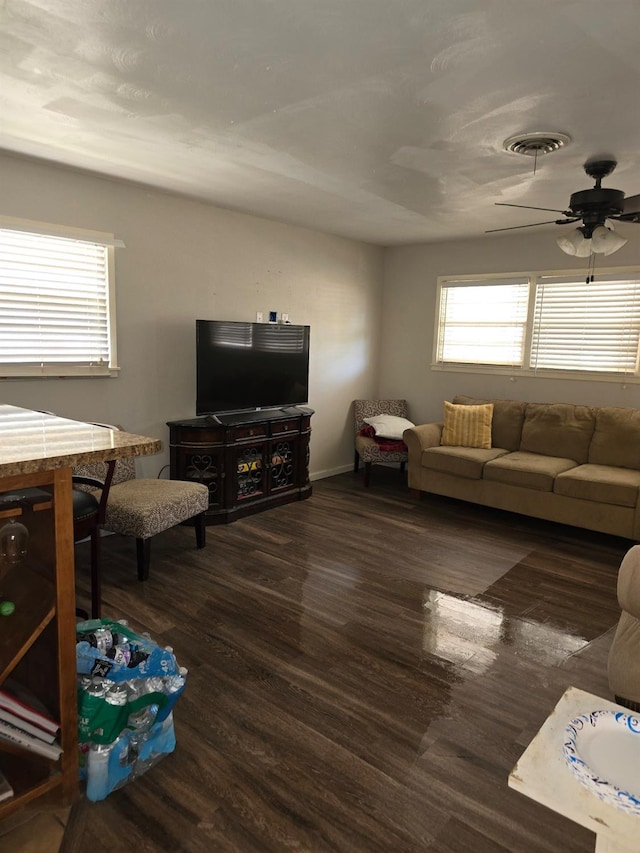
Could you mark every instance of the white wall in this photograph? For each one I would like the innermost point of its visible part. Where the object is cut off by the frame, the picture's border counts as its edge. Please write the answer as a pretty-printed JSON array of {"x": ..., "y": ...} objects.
[
  {"x": 408, "y": 321},
  {"x": 185, "y": 260}
]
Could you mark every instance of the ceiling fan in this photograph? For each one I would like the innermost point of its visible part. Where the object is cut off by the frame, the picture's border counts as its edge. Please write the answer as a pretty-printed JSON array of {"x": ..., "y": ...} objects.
[{"x": 594, "y": 207}]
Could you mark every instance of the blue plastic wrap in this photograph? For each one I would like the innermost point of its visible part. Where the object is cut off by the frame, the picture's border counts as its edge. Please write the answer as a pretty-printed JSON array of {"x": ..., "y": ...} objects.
[{"x": 127, "y": 689}]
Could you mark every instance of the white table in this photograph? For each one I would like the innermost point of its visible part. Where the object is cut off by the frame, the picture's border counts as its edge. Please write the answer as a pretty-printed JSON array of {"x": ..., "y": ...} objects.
[{"x": 542, "y": 774}]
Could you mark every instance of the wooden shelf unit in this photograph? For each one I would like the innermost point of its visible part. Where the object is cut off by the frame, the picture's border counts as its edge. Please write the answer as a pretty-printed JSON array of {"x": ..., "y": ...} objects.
[{"x": 37, "y": 641}]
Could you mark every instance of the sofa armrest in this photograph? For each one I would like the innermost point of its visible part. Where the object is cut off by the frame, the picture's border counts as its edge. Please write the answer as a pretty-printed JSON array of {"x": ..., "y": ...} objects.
[
  {"x": 635, "y": 534},
  {"x": 419, "y": 437}
]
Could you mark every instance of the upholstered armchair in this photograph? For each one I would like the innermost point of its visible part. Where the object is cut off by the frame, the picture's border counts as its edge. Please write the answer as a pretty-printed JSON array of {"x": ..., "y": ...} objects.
[
  {"x": 142, "y": 508},
  {"x": 368, "y": 449},
  {"x": 624, "y": 654}
]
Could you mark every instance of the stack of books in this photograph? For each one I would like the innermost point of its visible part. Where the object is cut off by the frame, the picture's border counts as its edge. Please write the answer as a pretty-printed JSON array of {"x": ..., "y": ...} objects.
[{"x": 23, "y": 721}]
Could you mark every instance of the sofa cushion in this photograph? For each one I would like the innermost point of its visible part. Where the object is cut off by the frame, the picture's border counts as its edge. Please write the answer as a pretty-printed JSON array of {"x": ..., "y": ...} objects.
[
  {"x": 506, "y": 424},
  {"x": 600, "y": 483},
  {"x": 467, "y": 426},
  {"x": 616, "y": 440},
  {"x": 465, "y": 462},
  {"x": 558, "y": 429},
  {"x": 528, "y": 470}
]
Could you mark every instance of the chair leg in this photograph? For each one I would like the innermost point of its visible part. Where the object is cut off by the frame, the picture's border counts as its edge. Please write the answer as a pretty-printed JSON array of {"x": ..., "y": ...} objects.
[
  {"x": 356, "y": 462},
  {"x": 143, "y": 552},
  {"x": 201, "y": 530},
  {"x": 96, "y": 580},
  {"x": 367, "y": 473}
]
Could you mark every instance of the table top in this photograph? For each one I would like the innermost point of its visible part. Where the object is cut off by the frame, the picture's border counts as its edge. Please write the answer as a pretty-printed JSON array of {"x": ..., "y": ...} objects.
[
  {"x": 35, "y": 441},
  {"x": 542, "y": 774}
]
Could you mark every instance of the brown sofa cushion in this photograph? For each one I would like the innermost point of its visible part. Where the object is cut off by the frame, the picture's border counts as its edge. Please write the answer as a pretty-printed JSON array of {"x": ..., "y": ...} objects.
[
  {"x": 558, "y": 429},
  {"x": 528, "y": 470},
  {"x": 465, "y": 462},
  {"x": 600, "y": 483},
  {"x": 506, "y": 425},
  {"x": 616, "y": 440}
]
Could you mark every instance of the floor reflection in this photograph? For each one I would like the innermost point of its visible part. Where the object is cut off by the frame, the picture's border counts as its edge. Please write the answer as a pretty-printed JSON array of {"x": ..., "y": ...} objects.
[{"x": 470, "y": 634}]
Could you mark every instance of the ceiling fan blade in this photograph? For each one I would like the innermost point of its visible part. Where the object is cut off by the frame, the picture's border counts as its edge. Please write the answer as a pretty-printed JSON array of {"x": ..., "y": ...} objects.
[
  {"x": 630, "y": 210},
  {"x": 531, "y": 225},
  {"x": 528, "y": 207},
  {"x": 631, "y": 204}
]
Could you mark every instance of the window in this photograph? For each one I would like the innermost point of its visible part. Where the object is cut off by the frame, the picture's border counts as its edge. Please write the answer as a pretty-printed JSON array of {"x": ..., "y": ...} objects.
[
  {"x": 592, "y": 327},
  {"x": 540, "y": 322},
  {"x": 56, "y": 302},
  {"x": 483, "y": 324}
]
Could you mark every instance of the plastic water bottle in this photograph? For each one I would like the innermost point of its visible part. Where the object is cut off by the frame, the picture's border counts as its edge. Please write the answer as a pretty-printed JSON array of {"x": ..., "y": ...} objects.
[
  {"x": 116, "y": 695},
  {"x": 174, "y": 683},
  {"x": 98, "y": 772},
  {"x": 143, "y": 719},
  {"x": 91, "y": 702}
]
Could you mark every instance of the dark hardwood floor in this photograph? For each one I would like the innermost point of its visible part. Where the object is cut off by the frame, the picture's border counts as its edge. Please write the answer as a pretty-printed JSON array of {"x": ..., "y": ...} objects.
[{"x": 364, "y": 672}]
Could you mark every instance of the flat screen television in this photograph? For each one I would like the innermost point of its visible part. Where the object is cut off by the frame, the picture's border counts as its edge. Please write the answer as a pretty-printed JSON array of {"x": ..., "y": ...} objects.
[{"x": 243, "y": 366}]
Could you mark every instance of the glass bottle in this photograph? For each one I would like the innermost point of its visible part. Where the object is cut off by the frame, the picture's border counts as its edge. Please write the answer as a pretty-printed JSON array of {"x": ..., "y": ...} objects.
[{"x": 14, "y": 538}]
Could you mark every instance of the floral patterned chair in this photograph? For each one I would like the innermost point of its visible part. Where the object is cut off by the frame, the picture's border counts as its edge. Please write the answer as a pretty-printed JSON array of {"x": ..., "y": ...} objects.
[
  {"x": 144, "y": 507},
  {"x": 367, "y": 448}
]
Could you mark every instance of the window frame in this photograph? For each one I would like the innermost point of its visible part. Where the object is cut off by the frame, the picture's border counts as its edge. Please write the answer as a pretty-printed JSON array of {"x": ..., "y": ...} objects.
[
  {"x": 17, "y": 370},
  {"x": 524, "y": 370}
]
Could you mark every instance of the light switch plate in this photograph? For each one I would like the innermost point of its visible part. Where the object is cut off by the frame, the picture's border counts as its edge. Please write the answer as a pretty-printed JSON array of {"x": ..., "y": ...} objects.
[{"x": 258, "y": 316}]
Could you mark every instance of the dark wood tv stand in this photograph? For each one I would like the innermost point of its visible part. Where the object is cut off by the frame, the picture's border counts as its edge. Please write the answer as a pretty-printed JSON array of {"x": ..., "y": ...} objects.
[{"x": 249, "y": 461}]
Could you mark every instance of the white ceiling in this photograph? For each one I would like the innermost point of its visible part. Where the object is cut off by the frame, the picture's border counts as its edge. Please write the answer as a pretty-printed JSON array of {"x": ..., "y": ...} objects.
[{"x": 380, "y": 120}]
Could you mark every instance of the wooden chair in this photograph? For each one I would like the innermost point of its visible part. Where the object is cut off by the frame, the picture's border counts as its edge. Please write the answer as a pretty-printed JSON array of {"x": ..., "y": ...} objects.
[{"x": 88, "y": 518}]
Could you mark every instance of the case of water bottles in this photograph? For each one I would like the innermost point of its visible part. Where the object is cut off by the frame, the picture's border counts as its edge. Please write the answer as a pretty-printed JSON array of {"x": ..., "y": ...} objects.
[{"x": 127, "y": 689}]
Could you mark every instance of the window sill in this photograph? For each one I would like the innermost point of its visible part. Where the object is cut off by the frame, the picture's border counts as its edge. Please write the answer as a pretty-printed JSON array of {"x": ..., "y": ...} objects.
[
  {"x": 60, "y": 373},
  {"x": 515, "y": 373}
]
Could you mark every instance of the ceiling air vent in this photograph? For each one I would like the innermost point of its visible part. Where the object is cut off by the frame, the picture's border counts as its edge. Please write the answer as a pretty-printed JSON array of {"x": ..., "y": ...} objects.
[{"x": 536, "y": 144}]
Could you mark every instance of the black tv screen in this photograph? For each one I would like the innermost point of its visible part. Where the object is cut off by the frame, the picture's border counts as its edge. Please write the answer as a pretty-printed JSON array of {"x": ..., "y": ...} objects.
[{"x": 243, "y": 366}]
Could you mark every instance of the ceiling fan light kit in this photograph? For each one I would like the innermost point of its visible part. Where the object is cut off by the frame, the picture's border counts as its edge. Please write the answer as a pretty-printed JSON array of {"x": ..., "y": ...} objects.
[
  {"x": 575, "y": 243},
  {"x": 594, "y": 207},
  {"x": 603, "y": 241}
]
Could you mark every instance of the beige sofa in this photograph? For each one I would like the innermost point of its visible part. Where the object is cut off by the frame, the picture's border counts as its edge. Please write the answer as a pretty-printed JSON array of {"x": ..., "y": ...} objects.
[{"x": 565, "y": 463}]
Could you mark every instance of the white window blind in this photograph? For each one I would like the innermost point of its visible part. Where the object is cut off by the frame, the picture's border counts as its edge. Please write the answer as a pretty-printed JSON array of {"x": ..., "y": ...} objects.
[
  {"x": 55, "y": 305},
  {"x": 592, "y": 326},
  {"x": 483, "y": 322}
]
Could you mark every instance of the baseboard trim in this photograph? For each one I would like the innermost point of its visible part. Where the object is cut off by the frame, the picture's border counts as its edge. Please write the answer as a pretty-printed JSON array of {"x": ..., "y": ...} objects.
[{"x": 330, "y": 472}]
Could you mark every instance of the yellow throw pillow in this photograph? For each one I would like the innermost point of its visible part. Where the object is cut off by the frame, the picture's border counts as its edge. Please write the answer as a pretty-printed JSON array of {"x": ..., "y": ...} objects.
[{"x": 467, "y": 426}]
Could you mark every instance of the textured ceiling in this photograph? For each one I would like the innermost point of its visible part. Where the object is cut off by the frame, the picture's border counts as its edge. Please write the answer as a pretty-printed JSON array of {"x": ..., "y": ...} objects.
[{"x": 380, "y": 120}]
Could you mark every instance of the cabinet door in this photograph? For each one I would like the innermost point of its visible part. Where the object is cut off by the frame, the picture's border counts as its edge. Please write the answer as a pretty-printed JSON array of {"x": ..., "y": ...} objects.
[
  {"x": 202, "y": 465},
  {"x": 250, "y": 464},
  {"x": 283, "y": 463}
]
